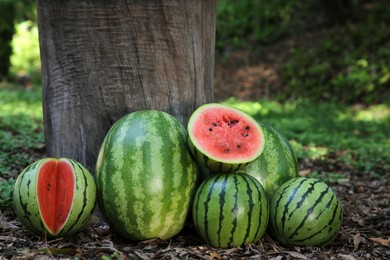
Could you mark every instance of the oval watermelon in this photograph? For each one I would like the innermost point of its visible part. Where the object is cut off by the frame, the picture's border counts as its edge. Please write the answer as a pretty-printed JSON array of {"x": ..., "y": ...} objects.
[
  {"x": 230, "y": 210},
  {"x": 223, "y": 138},
  {"x": 146, "y": 176},
  {"x": 54, "y": 196},
  {"x": 305, "y": 212},
  {"x": 277, "y": 164}
]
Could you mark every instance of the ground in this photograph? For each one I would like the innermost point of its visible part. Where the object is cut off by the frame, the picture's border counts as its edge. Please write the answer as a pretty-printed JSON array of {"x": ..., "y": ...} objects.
[{"x": 365, "y": 232}]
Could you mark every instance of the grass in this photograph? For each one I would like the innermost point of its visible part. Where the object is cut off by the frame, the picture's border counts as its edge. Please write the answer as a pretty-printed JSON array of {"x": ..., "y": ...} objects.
[
  {"x": 21, "y": 136},
  {"x": 360, "y": 136},
  {"x": 318, "y": 129}
]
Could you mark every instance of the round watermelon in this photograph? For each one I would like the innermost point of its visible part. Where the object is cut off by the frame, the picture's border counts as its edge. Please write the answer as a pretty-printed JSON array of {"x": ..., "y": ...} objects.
[
  {"x": 224, "y": 139},
  {"x": 230, "y": 210},
  {"x": 277, "y": 164},
  {"x": 54, "y": 196},
  {"x": 146, "y": 176},
  {"x": 305, "y": 212}
]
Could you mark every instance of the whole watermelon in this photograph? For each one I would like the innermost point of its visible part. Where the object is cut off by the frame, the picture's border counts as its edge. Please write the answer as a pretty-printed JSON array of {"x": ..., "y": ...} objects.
[
  {"x": 305, "y": 212},
  {"x": 277, "y": 164},
  {"x": 146, "y": 176},
  {"x": 230, "y": 210},
  {"x": 54, "y": 197}
]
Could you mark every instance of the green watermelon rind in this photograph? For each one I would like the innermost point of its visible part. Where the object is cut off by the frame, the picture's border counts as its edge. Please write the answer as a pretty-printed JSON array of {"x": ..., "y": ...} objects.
[
  {"x": 213, "y": 163},
  {"x": 146, "y": 176},
  {"x": 230, "y": 209},
  {"x": 305, "y": 212},
  {"x": 278, "y": 162}
]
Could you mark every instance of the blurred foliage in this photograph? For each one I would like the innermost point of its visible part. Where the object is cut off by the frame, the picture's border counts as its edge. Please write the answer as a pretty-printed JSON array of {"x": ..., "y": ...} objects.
[
  {"x": 7, "y": 14},
  {"x": 25, "y": 59},
  {"x": 250, "y": 23},
  {"x": 13, "y": 12},
  {"x": 351, "y": 65},
  {"x": 240, "y": 24},
  {"x": 21, "y": 128},
  {"x": 347, "y": 61}
]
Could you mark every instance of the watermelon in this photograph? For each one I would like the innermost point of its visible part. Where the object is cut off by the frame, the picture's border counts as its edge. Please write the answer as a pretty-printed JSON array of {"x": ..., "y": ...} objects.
[
  {"x": 277, "y": 164},
  {"x": 305, "y": 212},
  {"x": 54, "y": 197},
  {"x": 230, "y": 209},
  {"x": 146, "y": 176},
  {"x": 224, "y": 139}
]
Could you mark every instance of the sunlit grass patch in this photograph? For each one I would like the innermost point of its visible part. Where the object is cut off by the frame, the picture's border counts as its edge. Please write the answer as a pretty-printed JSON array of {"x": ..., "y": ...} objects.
[{"x": 315, "y": 129}]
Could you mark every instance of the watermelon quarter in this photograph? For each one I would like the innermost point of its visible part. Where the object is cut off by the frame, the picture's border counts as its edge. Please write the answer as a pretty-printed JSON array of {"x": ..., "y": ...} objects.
[
  {"x": 230, "y": 210},
  {"x": 224, "y": 139},
  {"x": 305, "y": 212},
  {"x": 54, "y": 196},
  {"x": 146, "y": 176},
  {"x": 277, "y": 164}
]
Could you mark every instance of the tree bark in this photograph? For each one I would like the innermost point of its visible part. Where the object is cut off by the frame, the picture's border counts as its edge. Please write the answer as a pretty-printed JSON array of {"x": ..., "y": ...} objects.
[{"x": 102, "y": 59}]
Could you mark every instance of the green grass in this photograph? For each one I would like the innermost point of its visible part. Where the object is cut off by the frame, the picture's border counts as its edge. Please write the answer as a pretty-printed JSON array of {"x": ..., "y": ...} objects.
[
  {"x": 21, "y": 135},
  {"x": 317, "y": 129}
]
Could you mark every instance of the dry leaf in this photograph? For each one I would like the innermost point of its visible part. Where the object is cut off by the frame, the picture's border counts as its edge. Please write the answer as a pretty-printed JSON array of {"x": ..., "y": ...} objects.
[
  {"x": 215, "y": 255},
  {"x": 382, "y": 241},
  {"x": 346, "y": 257},
  {"x": 305, "y": 172},
  {"x": 297, "y": 255},
  {"x": 357, "y": 239}
]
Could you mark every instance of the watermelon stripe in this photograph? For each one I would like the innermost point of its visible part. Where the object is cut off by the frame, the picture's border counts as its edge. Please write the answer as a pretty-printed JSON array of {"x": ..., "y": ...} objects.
[
  {"x": 28, "y": 217},
  {"x": 24, "y": 205},
  {"x": 206, "y": 208},
  {"x": 328, "y": 225},
  {"x": 221, "y": 208},
  {"x": 196, "y": 205},
  {"x": 286, "y": 206},
  {"x": 305, "y": 212},
  {"x": 303, "y": 198},
  {"x": 309, "y": 210},
  {"x": 263, "y": 208},
  {"x": 235, "y": 212},
  {"x": 250, "y": 209},
  {"x": 230, "y": 210}
]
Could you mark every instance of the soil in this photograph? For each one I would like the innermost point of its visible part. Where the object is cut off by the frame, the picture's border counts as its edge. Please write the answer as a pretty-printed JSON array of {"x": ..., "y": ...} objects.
[{"x": 365, "y": 232}]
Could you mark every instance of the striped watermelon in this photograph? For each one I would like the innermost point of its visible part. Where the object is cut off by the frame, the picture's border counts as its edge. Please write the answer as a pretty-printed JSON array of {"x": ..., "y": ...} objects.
[
  {"x": 54, "y": 196},
  {"x": 277, "y": 164},
  {"x": 224, "y": 139},
  {"x": 146, "y": 176},
  {"x": 305, "y": 212},
  {"x": 230, "y": 210}
]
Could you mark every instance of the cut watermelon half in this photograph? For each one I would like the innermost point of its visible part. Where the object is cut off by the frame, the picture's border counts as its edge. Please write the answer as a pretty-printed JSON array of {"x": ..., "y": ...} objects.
[
  {"x": 55, "y": 191},
  {"x": 223, "y": 138}
]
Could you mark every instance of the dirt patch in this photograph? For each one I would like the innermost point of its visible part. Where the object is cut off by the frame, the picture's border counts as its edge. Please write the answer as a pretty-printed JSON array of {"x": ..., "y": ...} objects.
[{"x": 254, "y": 74}]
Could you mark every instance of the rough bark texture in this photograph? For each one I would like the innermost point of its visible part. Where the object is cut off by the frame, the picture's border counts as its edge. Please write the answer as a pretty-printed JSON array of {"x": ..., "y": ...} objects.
[{"x": 102, "y": 59}]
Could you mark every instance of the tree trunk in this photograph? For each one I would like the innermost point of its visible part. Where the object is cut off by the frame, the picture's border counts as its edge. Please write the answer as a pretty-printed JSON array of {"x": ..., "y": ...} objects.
[{"x": 103, "y": 59}]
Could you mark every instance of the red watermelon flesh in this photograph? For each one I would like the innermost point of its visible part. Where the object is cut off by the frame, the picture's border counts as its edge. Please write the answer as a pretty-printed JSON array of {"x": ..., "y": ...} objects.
[
  {"x": 226, "y": 134},
  {"x": 56, "y": 187}
]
